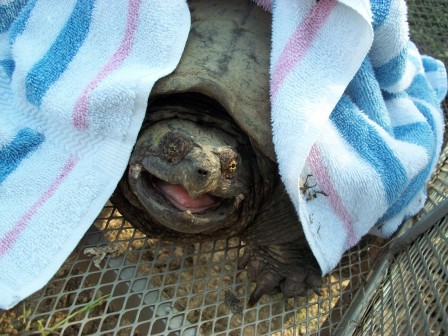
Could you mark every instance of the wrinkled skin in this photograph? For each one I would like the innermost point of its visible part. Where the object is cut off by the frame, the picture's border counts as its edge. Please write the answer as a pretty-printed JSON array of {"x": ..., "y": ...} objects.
[
  {"x": 277, "y": 256},
  {"x": 192, "y": 178},
  {"x": 204, "y": 164}
]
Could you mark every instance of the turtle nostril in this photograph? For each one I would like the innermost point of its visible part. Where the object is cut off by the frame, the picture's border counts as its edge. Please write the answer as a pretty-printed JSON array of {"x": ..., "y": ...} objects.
[{"x": 202, "y": 172}]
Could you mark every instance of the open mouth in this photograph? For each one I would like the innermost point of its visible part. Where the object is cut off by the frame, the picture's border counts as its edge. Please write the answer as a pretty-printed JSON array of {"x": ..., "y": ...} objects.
[
  {"x": 170, "y": 204},
  {"x": 179, "y": 197}
]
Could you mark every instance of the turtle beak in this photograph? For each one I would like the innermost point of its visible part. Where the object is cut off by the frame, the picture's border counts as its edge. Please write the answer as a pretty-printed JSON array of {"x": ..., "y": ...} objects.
[
  {"x": 203, "y": 173},
  {"x": 203, "y": 181}
]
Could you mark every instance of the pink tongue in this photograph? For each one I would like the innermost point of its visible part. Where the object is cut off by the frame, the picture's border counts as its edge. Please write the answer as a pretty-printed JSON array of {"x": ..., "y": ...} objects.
[{"x": 178, "y": 195}]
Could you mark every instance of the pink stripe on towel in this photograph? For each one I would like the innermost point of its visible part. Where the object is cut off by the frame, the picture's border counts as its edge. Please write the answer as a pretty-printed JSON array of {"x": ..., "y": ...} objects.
[
  {"x": 300, "y": 42},
  {"x": 265, "y": 4},
  {"x": 11, "y": 237},
  {"x": 81, "y": 109},
  {"x": 321, "y": 175}
]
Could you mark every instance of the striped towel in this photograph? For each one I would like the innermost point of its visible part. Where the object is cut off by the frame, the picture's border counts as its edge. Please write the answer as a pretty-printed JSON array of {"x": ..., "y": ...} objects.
[
  {"x": 356, "y": 116},
  {"x": 356, "y": 123},
  {"x": 74, "y": 82}
]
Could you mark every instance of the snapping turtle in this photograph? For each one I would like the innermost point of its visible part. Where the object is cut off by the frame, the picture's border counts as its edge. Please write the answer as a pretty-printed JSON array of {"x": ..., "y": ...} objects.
[{"x": 204, "y": 165}]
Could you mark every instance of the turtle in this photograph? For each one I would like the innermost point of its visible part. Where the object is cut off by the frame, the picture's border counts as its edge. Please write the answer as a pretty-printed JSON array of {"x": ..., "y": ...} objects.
[{"x": 204, "y": 166}]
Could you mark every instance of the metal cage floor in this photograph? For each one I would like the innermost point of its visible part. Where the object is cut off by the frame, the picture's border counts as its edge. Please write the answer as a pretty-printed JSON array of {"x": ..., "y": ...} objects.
[{"x": 158, "y": 288}]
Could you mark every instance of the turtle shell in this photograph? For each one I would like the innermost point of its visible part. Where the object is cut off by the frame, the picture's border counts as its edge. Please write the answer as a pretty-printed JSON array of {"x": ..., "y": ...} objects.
[
  {"x": 226, "y": 58},
  {"x": 220, "y": 84}
]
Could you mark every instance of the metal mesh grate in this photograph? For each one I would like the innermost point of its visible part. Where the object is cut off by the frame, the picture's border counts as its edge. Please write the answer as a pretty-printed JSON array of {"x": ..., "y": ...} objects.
[
  {"x": 407, "y": 293},
  {"x": 160, "y": 288},
  {"x": 413, "y": 298}
]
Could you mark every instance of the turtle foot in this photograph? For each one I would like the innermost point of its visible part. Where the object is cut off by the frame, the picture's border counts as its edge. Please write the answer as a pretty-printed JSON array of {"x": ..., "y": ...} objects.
[{"x": 280, "y": 268}]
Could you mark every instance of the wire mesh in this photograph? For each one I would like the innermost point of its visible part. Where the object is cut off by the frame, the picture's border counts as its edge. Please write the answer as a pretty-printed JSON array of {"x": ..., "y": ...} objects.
[
  {"x": 159, "y": 288},
  {"x": 413, "y": 298}
]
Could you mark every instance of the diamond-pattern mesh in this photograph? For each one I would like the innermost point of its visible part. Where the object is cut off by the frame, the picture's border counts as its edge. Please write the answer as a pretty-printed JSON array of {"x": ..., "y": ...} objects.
[
  {"x": 159, "y": 288},
  {"x": 413, "y": 298}
]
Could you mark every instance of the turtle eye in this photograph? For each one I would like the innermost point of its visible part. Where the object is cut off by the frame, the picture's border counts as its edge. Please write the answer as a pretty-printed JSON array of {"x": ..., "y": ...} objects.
[
  {"x": 172, "y": 150},
  {"x": 232, "y": 166},
  {"x": 174, "y": 145},
  {"x": 229, "y": 162}
]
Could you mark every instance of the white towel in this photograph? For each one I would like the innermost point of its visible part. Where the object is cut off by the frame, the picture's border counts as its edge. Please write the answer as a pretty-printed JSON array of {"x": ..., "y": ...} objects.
[
  {"x": 357, "y": 124},
  {"x": 75, "y": 77}
]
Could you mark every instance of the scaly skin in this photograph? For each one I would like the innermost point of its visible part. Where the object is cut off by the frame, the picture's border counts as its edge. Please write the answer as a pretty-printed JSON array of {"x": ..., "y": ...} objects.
[
  {"x": 277, "y": 256},
  {"x": 221, "y": 83},
  {"x": 189, "y": 180}
]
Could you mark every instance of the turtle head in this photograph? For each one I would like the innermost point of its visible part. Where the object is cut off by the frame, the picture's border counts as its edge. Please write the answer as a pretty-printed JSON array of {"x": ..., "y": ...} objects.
[
  {"x": 189, "y": 177},
  {"x": 193, "y": 172}
]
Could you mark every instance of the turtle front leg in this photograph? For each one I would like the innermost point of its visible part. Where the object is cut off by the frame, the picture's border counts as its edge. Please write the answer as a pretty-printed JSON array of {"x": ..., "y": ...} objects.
[
  {"x": 277, "y": 256},
  {"x": 280, "y": 268}
]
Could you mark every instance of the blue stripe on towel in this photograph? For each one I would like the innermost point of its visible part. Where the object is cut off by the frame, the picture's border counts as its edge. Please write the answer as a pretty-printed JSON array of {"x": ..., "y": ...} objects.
[
  {"x": 418, "y": 133},
  {"x": 390, "y": 96},
  {"x": 436, "y": 71},
  {"x": 418, "y": 182},
  {"x": 8, "y": 66},
  {"x": 391, "y": 72},
  {"x": 408, "y": 195},
  {"x": 55, "y": 61},
  {"x": 370, "y": 146},
  {"x": 9, "y": 12},
  {"x": 432, "y": 123},
  {"x": 380, "y": 11},
  {"x": 365, "y": 92},
  {"x": 19, "y": 24},
  {"x": 429, "y": 63},
  {"x": 25, "y": 142},
  {"x": 421, "y": 89}
]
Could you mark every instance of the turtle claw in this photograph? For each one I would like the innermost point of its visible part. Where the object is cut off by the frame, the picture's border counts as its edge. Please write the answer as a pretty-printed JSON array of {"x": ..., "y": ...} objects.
[
  {"x": 289, "y": 274},
  {"x": 317, "y": 291},
  {"x": 255, "y": 296},
  {"x": 244, "y": 260},
  {"x": 267, "y": 283}
]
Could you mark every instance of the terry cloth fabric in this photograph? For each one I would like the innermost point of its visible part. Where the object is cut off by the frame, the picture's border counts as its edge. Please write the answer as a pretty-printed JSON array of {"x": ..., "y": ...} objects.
[
  {"x": 357, "y": 124},
  {"x": 355, "y": 109},
  {"x": 74, "y": 82}
]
